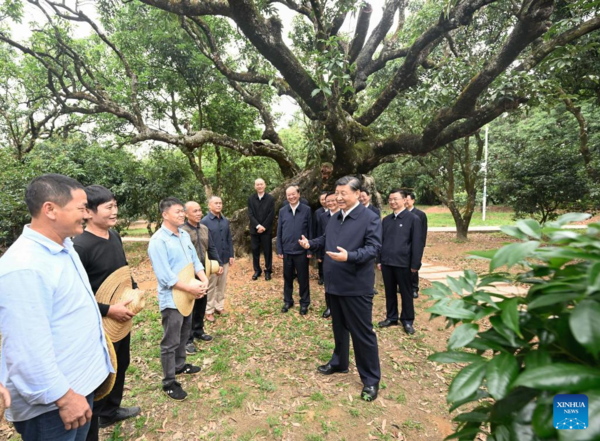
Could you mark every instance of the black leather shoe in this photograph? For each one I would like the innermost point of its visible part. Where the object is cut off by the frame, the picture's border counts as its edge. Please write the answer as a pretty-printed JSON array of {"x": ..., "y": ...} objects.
[
  {"x": 415, "y": 294},
  {"x": 385, "y": 323},
  {"x": 321, "y": 281},
  {"x": 122, "y": 414},
  {"x": 304, "y": 310},
  {"x": 205, "y": 337},
  {"x": 327, "y": 313},
  {"x": 328, "y": 369},
  {"x": 408, "y": 328},
  {"x": 369, "y": 393},
  {"x": 286, "y": 308},
  {"x": 267, "y": 275},
  {"x": 256, "y": 275}
]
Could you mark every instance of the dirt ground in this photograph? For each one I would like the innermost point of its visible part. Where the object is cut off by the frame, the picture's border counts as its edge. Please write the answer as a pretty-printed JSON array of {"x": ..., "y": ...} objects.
[{"x": 259, "y": 379}]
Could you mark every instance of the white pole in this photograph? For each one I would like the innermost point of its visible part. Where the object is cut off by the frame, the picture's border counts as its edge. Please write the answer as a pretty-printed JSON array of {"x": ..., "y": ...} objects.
[{"x": 485, "y": 163}]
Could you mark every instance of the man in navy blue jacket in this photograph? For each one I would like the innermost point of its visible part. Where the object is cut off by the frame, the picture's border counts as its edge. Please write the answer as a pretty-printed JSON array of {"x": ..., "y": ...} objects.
[
  {"x": 351, "y": 241},
  {"x": 401, "y": 254},
  {"x": 316, "y": 219},
  {"x": 365, "y": 199},
  {"x": 295, "y": 220},
  {"x": 410, "y": 205},
  {"x": 324, "y": 218}
]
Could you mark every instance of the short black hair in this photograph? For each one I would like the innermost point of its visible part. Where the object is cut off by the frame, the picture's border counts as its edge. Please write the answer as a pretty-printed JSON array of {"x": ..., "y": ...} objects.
[
  {"x": 398, "y": 190},
  {"x": 324, "y": 192},
  {"x": 351, "y": 181},
  {"x": 51, "y": 187},
  {"x": 98, "y": 195},
  {"x": 410, "y": 194},
  {"x": 363, "y": 189},
  {"x": 330, "y": 193},
  {"x": 167, "y": 203}
]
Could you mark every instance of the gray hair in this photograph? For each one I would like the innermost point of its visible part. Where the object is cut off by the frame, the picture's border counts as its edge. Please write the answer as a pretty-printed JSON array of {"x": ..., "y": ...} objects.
[{"x": 351, "y": 181}]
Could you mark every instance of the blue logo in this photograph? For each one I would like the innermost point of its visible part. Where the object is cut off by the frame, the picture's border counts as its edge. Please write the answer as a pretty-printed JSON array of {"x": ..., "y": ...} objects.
[{"x": 570, "y": 412}]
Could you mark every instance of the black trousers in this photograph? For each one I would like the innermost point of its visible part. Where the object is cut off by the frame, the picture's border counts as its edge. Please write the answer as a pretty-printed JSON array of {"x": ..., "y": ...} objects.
[
  {"x": 295, "y": 264},
  {"x": 320, "y": 265},
  {"x": 256, "y": 242},
  {"x": 198, "y": 318},
  {"x": 107, "y": 407},
  {"x": 352, "y": 316},
  {"x": 393, "y": 277},
  {"x": 415, "y": 281}
]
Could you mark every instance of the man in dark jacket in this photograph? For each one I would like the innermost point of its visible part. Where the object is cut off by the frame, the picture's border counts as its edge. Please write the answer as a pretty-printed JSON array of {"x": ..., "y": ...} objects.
[
  {"x": 365, "y": 199},
  {"x": 351, "y": 242},
  {"x": 316, "y": 219},
  {"x": 401, "y": 252},
  {"x": 295, "y": 220},
  {"x": 332, "y": 209},
  {"x": 261, "y": 211},
  {"x": 203, "y": 243},
  {"x": 410, "y": 204}
]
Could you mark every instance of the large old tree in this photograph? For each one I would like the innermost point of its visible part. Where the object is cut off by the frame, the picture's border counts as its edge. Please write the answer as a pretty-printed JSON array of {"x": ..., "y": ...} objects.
[{"x": 458, "y": 64}]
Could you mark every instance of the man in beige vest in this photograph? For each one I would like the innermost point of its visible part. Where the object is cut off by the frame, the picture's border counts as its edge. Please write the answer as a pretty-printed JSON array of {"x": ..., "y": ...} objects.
[{"x": 204, "y": 244}]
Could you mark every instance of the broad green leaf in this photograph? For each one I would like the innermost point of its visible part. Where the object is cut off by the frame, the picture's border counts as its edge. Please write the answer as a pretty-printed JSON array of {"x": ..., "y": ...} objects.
[
  {"x": 451, "y": 311},
  {"x": 510, "y": 315},
  {"x": 472, "y": 417},
  {"x": 467, "y": 433},
  {"x": 542, "y": 421},
  {"x": 513, "y": 231},
  {"x": 485, "y": 297},
  {"x": 571, "y": 217},
  {"x": 530, "y": 227},
  {"x": 594, "y": 278},
  {"x": 455, "y": 285},
  {"x": 454, "y": 357},
  {"x": 478, "y": 395},
  {"x": 463, "y": 335},
  {"x": 567, "y": 377},
  {"x": 467, "y": 381},
  {"x": 315, "y": 91},
  {"x": 500, "y": 372},
  {"x": 537, "y": 359},
  {"x": 487, "y": 254},
  {"x": 551, "y": 299},
  {"x": 585, "y": 325},
  {"x": 513, "y": 253}
]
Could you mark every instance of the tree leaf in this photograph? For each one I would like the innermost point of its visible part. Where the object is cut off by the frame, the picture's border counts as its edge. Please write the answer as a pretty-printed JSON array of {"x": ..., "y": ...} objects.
[
  {"x": 454, "y": 357},
  {"x": 467, "y": 381},
  {"x": 500, "y": 372},
  {"x": 530, "y": 227},
  {"x": 463, "y": 335},
  {"x": 585, "y": 325},
  {"x": 557, "y": 377},
  {"x": 551, "y": 299},
  {"x": 513, "y": 253},
  {"x": 451, "y": 311},
  {"x": 571, "y": 217},
  {"x": 510, "y": 315}
]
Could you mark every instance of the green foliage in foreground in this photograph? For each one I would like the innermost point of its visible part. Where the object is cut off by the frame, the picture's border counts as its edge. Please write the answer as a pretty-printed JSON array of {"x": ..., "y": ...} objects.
[{"x": 537, "y": 346}]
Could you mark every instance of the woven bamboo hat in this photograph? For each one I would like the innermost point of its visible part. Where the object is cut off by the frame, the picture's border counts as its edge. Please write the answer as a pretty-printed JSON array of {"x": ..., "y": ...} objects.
[
  {"x": 105, "y": 388},
  {"x": 210, "y": 266},
  {"x": 115, "y": 289},
  {"x": 184, "y": 300}
]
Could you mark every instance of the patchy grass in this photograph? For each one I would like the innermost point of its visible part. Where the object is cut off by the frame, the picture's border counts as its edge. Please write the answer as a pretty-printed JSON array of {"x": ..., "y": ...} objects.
[{"x": 440, "y": 216}]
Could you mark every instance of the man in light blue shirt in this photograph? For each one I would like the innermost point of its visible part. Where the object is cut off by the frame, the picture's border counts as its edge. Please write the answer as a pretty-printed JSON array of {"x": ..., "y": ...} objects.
[
  {"x": 170, "y": 250},
  {"x": 54, "y": 353}
]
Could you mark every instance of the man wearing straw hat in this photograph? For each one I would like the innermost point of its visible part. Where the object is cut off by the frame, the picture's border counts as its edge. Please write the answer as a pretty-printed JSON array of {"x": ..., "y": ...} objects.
[
  {"x": 171, "y": 252},
  {"x": 101, "y": 252},
  {"x": 54, "y": 352},
  {"x": 204, "y": 245}
]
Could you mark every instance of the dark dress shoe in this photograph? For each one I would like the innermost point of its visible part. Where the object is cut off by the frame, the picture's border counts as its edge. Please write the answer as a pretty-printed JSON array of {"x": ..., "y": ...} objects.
[
  {"x": 205, "y": 337},
  {"x": 256, "y": 275},
  {"x": 267, "y": 275},
  {"x": 286, "y": 308},
  {"x": 385, "y": 323},
  {"x": 415, "y": 294},
  {"x": 408, "y": 328},
  {"x": 328, "y": 369},
  {"x": 369, "y": 393},
  {"x": 121, "y": 414},
  {"x": 304, "y": 310},
  {"x": 327, "y": 313},
  {"x": 321, "y": 281}
]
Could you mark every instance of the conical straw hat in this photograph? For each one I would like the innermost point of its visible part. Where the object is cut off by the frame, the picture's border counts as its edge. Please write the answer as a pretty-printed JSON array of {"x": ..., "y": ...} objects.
[
  {"x": 105, "y": 388},
  {"x": 184, "y": 300},
  {"x": 115, "y": 289},
  {"x": 210, "y": 266}
]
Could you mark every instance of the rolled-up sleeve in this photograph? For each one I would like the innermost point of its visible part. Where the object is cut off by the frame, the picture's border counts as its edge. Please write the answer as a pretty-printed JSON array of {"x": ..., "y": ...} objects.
[
  {"x": 157, "y": 251},
  {"x": 27, "y": 345}
]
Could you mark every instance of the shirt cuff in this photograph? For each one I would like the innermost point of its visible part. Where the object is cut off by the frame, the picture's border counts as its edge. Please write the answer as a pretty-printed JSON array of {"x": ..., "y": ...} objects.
[
  {"x": 103, "y": 309},
  {"x": 171, "y": 283},
  {"x": 258, "y": 226},
  {"x": 352, "y": 255}
]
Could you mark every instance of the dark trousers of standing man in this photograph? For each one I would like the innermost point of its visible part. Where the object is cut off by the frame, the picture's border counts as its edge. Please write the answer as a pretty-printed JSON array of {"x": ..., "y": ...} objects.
[
  {"x": 394, "y": 276},
  {"x": 198, "y": 313},
  {"x": 108, "y": 406},
  {"x": 352, "y": 316},
  {"x": 295, "y": 264},
  {"x": 256, "y": 242}
]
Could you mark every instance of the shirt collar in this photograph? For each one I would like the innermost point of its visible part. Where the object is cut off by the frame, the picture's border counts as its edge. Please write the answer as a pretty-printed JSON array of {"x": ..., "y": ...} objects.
[
  {"x": 52, "y": 246},
  {"x": 400, "y": 214},
  {"x": 297, "y": 205},
  {"x": 169, "y": 232},
  {"x": 214, "y": 216},
  {"x": 191, "y": 226},
  {"x": 346, "y": 213}
]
